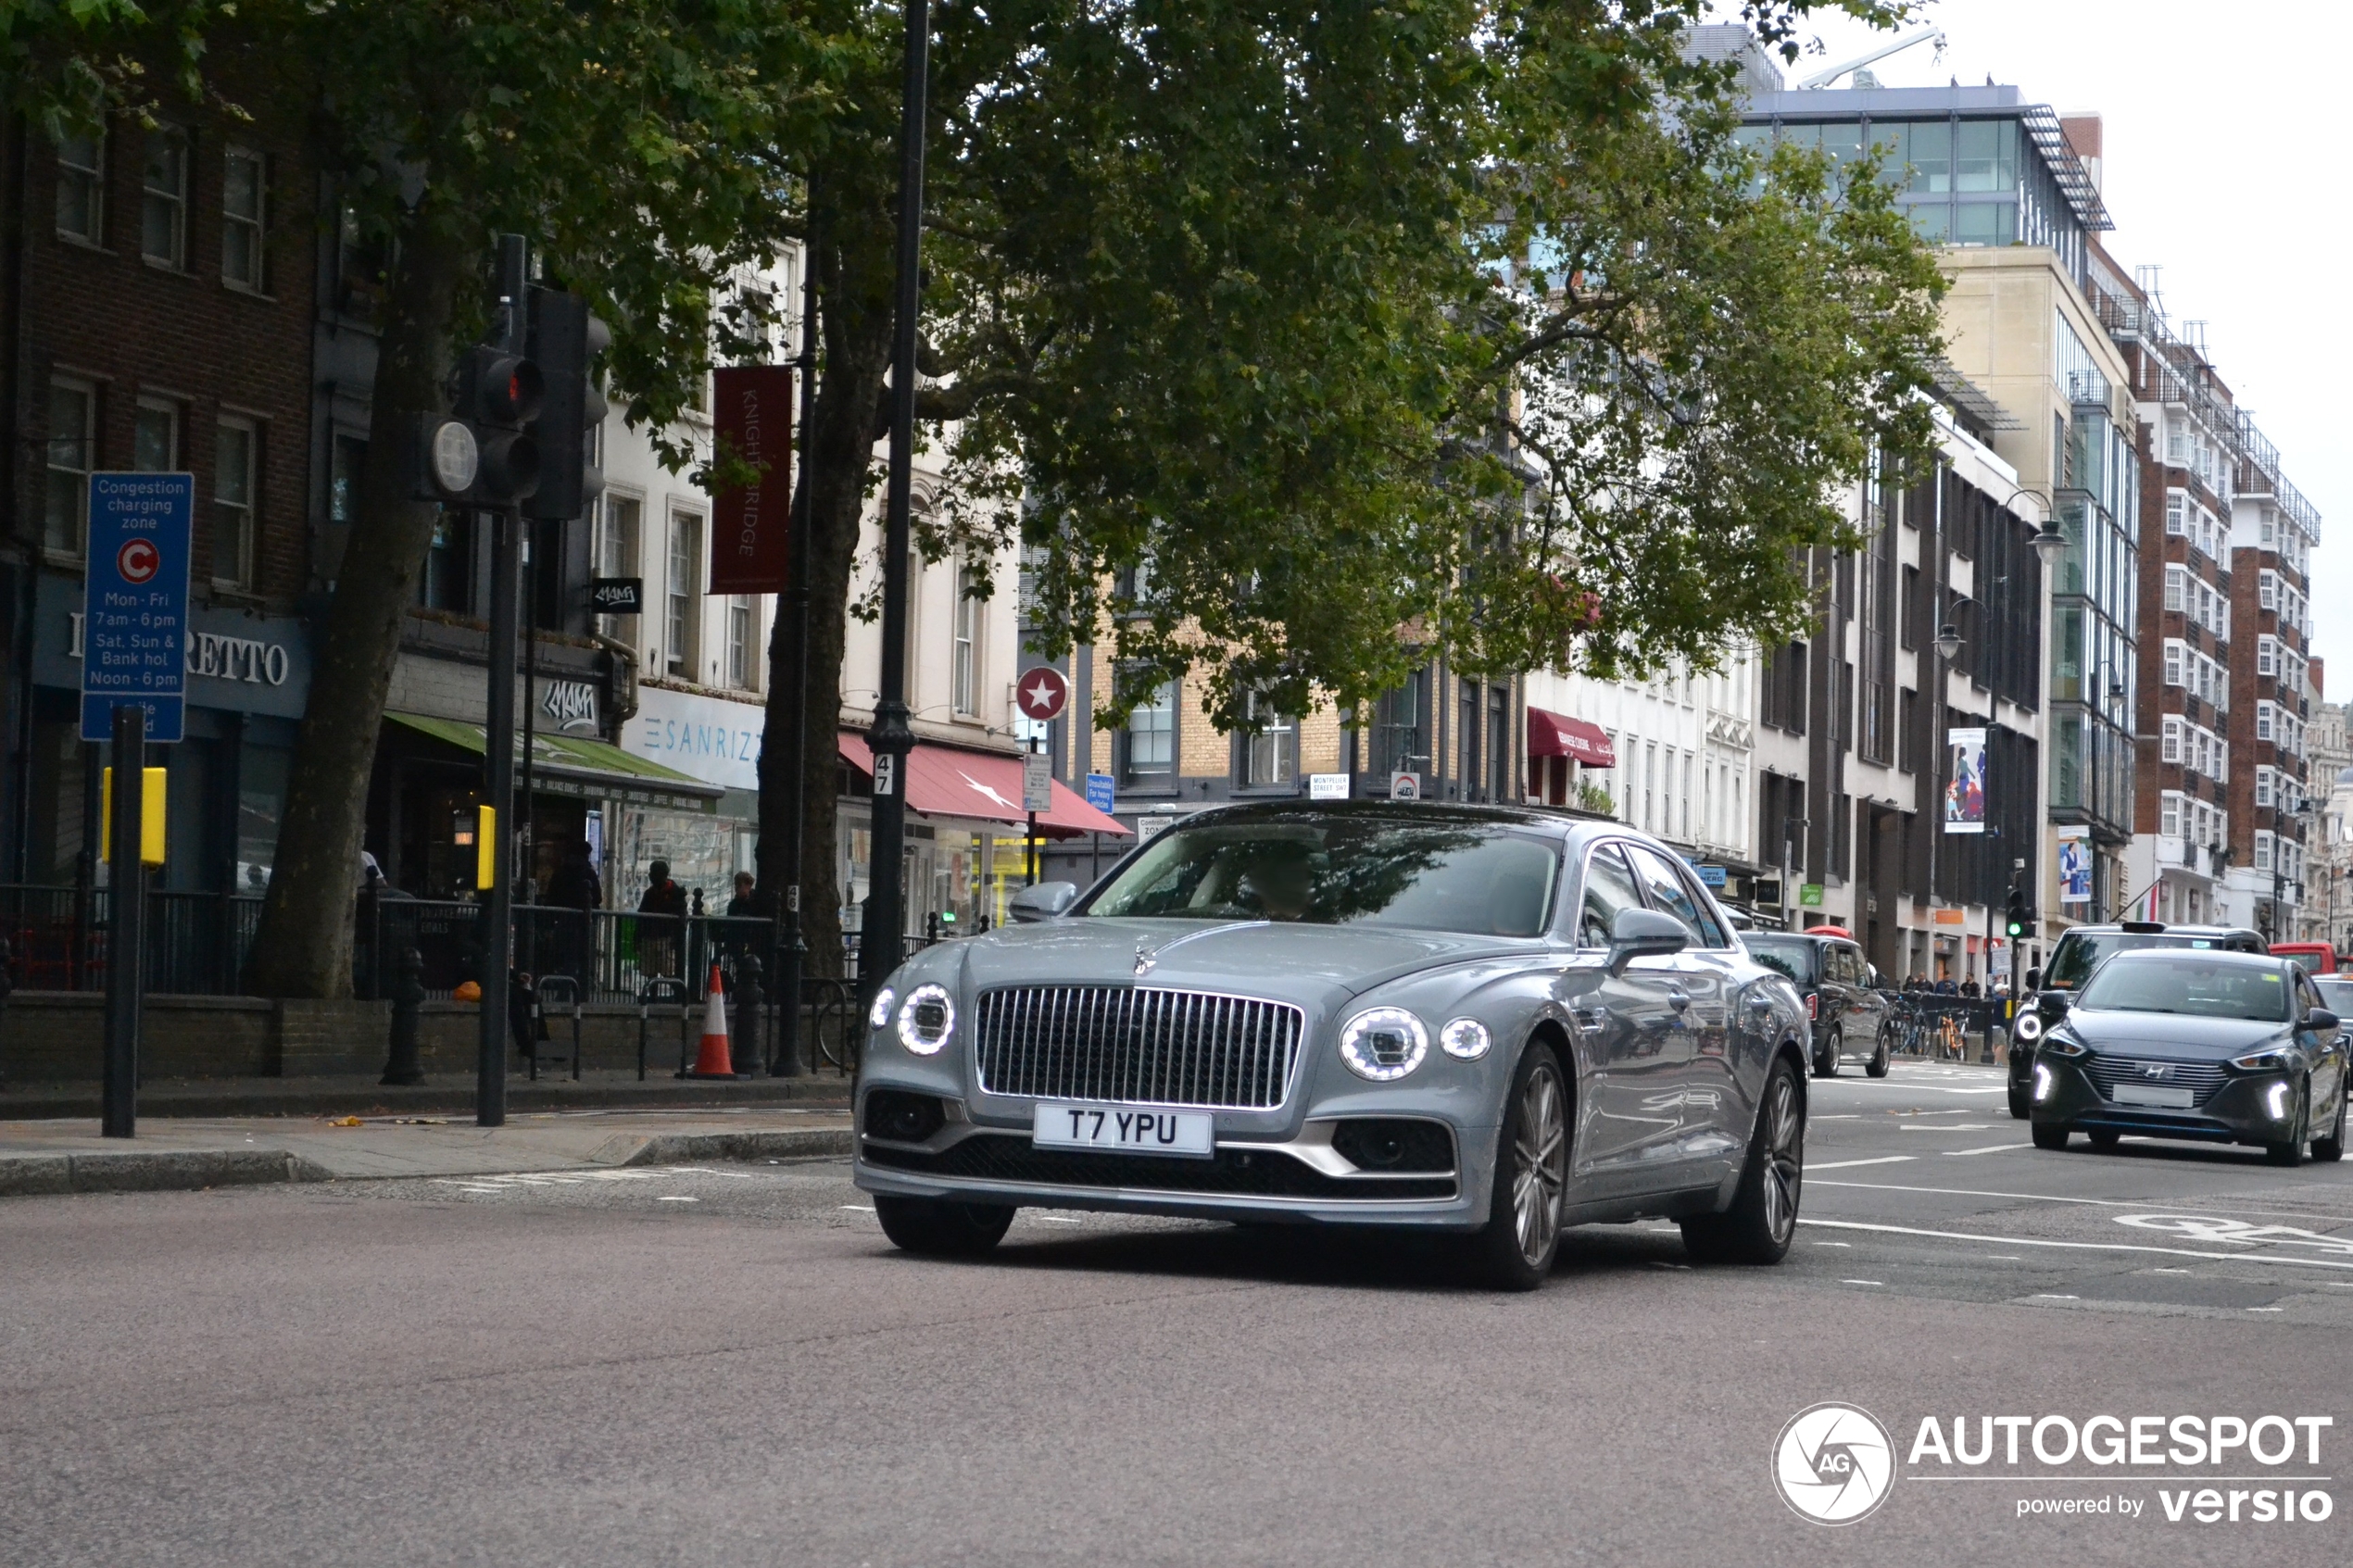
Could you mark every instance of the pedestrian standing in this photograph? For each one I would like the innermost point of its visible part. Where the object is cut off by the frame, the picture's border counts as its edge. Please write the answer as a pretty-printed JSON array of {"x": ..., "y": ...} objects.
[
  {"x": 579, "y": 892},
  {"x": 664, "y": 927}
]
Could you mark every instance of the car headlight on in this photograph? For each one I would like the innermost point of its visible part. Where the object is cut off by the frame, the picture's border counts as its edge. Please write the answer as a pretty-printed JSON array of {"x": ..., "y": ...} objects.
[
  {"x": 926, "y": 1020},
  {"x": 878, "y": 1016},
  {"x": 2261, "y": 1061},
  {"x": 1466, "y": 1038},
  {"x": 2029, "y": 1027},
  {"x": 1383, "y": 1044},
  {"x": 2060, "y": 1045}
]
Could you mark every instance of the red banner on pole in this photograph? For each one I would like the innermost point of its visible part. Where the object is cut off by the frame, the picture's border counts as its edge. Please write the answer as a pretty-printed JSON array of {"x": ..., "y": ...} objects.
[{"x": 751, "y": 526}]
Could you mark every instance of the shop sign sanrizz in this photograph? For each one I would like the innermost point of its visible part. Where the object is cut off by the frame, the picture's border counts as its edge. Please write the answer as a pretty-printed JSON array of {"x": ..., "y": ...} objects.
[{"x": 751, "y": 528}]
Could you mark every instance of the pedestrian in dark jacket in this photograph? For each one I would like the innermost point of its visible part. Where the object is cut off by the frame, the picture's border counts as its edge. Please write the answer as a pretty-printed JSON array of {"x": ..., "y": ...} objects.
[
  {"x": 577, "y": 889},
  {"x": 660, "y": 941}
]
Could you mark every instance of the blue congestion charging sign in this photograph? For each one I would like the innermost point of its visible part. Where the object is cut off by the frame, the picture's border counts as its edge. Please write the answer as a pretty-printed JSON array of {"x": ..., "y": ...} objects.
[{"x": 134, "y": 643}]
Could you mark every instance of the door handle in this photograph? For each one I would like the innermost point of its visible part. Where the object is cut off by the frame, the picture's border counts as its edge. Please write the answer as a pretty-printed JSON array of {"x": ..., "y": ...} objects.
[{"x": 1589, "y": 1017}]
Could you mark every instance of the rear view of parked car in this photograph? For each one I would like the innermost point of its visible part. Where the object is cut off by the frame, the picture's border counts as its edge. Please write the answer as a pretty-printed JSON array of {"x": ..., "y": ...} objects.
[{"x": 1848, "y": 1011}]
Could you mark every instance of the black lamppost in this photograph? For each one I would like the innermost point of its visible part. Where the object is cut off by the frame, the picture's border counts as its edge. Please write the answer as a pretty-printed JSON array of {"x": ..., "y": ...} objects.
[
  {"x": 2281, "y": 811},
  {"x": 890, "y": 738}
]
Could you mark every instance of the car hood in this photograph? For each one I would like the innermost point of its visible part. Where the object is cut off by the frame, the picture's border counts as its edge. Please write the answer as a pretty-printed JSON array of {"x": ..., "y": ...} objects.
[
  {"x": 1299, "y": 962},
  {"x": 2171, "y": 1033}
]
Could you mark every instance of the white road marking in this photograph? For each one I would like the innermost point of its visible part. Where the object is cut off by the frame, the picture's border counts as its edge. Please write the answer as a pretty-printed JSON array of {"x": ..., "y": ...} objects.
[
  {"x": 2082, "y": 1245},
  {"x": 508, "y": 1181},
  {"x": 1862, "y": 1282},
  {"x": 860, "y": 1207},
  {"x": 1847, "y": 1244},
  {"x": 707, "y": 1171},
  {"x": 674, "y": 1197},
  {"x": 1946, "y": 1127},
  {"x": 1850, "y": 1164},
  {"x": 2054, "y": 1296},
  {"x": 2267, "y": 1308},
  {"x": 1057, "y": 1220},
  {"x": 2054, "y": 1198},
  {"x": 1989, "y": 1149}
]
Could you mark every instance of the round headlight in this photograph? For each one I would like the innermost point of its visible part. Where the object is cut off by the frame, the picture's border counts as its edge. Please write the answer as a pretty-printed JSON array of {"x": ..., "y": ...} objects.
[
  {"x": 1466, "y": 1038},
  {"x": 1383, "y": 1044},
  {"x": 926, "y": 1020},
  {"x": 878, "y": 1016},
  {"x": 2030, "y": 1027}
]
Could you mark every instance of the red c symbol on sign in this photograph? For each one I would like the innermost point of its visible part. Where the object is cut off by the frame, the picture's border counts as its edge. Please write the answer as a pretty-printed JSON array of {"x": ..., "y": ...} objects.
[{"x": 138, "y": 561}]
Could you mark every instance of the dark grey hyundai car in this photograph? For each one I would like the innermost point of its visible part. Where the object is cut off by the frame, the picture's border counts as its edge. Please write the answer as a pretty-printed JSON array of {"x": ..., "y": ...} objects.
[
  {"x": 1490, "y": 1021},
  {"x": 2215, "y": 1047}
]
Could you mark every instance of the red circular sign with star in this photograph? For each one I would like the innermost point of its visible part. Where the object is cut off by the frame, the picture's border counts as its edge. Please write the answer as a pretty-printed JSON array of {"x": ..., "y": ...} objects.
[
  {"x": 138, "y": 561},
  {"x": 1041, "y": 694}
]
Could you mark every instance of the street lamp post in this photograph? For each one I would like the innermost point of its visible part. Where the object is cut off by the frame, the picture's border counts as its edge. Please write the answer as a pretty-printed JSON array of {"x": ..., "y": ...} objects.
[{"x": 890, "y": 738}]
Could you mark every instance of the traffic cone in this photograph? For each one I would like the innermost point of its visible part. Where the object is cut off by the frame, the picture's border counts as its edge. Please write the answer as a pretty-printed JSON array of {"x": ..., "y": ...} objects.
[{"x": 710, "y": 1060}]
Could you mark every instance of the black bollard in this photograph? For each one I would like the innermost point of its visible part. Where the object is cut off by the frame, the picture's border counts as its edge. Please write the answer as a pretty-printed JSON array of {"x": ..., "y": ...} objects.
[
  {"x": 749, "y": 1021},
  {"x": 408, "y": 999}
]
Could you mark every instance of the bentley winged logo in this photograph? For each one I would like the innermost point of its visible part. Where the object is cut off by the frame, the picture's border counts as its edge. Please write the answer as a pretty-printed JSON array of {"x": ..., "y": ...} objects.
[{"x": 1145, "y": 959}]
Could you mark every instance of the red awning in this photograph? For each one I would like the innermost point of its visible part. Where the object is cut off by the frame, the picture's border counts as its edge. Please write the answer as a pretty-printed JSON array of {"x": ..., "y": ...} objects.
[
  {"x": 1556, "y": 735},
  {"x": 943, "y": 781}
]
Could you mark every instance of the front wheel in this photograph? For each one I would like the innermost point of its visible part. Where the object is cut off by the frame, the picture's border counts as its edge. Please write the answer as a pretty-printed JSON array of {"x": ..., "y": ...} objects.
[
  {"x": 1762, "y": 1221},
  {"x": 2050, "y": 1134},
  {"x": 2019, "y": 1107},
  {"x": 937, "y": 1228},
  {"x": 2331, "y": 1150},
  {"x": 1515, "y": 1251},
  {"x": 2290, "y": 1153},
  {"x": 1825, "y": 1063}
]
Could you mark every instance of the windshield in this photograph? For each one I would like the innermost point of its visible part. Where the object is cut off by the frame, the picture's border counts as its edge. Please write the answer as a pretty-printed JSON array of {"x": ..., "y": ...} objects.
[
  {"x": 2308, "y": 960},
  {"x": 1343, "y": 870},
  {"x": 2336, "y": 990},
  {"x": 2080, "y": 954},
  {"x": 2206, "y": 988},
  {"x": 1790, "y": 955}
]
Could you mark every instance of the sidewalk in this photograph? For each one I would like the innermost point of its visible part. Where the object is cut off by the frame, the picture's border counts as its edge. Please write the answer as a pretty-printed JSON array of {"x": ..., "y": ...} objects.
[
  {"x": 447, "y": 1094},
  {"x": 181, "y": 1154}
]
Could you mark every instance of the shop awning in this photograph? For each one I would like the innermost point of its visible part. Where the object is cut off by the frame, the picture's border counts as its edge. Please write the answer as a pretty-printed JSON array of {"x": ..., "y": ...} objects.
[
  {"x": 1557, "y": 734},
  {"x": 943, "y": 781},
  {"x": 576, "y": 765}
]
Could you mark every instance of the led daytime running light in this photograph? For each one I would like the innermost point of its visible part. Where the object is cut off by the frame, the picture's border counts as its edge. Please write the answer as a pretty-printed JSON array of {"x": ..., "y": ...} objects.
[
  {"x": 1384, "y": 1044},
  {"x": 911, "y": 1023},
  {"x": 878, "y": 1016}
]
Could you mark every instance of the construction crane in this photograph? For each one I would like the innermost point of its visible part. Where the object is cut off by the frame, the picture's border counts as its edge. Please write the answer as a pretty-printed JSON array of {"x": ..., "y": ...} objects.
[{"x": 1919, "y": 35}]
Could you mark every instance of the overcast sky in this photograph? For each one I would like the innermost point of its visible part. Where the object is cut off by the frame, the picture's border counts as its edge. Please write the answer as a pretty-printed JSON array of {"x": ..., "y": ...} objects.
[{"x": 2218, "y": 170}]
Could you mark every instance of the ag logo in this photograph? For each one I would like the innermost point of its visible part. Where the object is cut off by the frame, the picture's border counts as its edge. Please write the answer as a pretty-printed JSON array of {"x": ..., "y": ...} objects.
[{"x": 1834, "y": 1464}]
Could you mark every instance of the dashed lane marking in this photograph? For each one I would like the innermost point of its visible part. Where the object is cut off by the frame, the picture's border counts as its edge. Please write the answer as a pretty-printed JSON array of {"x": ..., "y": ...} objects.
[
  {"x": 2054, "y": 1198},
  {"x": 1989, "y": 1149},
  {"x": 1850, "y": 1164},
  {"x": 2082, "y": 1245}
]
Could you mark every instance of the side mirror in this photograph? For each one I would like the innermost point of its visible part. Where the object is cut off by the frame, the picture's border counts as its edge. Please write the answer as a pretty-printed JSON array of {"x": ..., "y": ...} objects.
[
  {"x": 2055, "y": 1001},
  {"x": 1642, "y": 933},
  {"x": 2321, "y": 1020},
  {"x": 2035, "y": 978},
  {"x": 1044, "y": 901}
]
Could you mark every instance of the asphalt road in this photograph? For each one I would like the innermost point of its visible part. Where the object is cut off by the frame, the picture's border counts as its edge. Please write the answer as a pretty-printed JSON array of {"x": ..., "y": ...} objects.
[{"x": 729, "y": 1362}]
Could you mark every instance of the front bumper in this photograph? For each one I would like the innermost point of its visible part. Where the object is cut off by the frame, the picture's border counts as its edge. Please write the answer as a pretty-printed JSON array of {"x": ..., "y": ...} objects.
[
  {"x": 1296, "y": 1177},
  {"x": 2237, "y": 1112}
]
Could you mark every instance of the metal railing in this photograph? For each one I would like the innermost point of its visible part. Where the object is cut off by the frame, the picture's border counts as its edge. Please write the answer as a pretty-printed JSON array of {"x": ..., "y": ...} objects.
[
  {"x": 1941, "y": 1028},
  {"x": 196, "y": 943}
]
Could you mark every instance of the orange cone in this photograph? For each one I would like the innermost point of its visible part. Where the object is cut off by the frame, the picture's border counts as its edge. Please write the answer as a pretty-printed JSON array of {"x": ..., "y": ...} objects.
[{"x": 711, "y": 1059}]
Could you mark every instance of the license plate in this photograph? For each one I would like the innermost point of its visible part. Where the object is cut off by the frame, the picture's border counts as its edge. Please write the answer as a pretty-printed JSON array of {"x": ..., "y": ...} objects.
[
  {"x": 2153, "y": 1094},
  {"x": 1123, "y": 1129}
]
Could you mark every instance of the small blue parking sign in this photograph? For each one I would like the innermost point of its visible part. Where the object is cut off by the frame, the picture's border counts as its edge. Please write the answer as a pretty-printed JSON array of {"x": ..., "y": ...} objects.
[{"x": 134, "y": 639}]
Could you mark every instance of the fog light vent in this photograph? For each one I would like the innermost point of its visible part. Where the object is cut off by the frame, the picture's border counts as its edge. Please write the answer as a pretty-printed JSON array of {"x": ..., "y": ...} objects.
[
  {"x": 903, "y": 1117},
  {"x": 1384, "y": 1143}
]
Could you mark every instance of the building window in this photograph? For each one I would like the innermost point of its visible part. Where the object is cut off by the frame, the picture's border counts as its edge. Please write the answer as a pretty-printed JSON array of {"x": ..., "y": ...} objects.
[
  {"x": 2169, "y": 819},
  {"x": 343, "y": 478},
  {"x": 81, "y": 186},
  {"x": 2263, "y": 786},
  {"x": 163, "y": 199},
  {"x": 965, "y": 676},
  {"x": 2173, "y": 652},
  {"x": 2262, "y": 721},
  {"x": 245, "y": 191},
  {"x": 2267, "y": 655},
  {"x": 2267, "y": 590},
  {"x": 742, "y": 623},
  {"x": 2176, "y": 512},
  {"x": 72, "y": 453},
  {"x": 234, "y": 463},
  {"x": 2263, "y": 852},
  {"x": 1149, "y": 743},
  {"x": 682, "y": 625},
  {"x": 2172, "y": 742},
  {"x": 613, "y": 551},
  {"x": 155, "y": 436},
  {"x": 1268, "y": 752},
  {"x": 2176, "y": 587}
]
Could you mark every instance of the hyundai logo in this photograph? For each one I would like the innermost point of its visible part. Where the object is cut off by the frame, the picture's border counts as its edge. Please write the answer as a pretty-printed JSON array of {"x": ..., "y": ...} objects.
[{"x": 2156, "y": 1070}]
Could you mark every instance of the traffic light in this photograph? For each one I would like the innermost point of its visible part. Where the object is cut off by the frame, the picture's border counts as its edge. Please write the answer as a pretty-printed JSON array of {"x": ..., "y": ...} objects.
[
  {"x": 2019, "y": 918},
  {"x": 482, "y": 452},
  {"x": 565, "y": 341}
]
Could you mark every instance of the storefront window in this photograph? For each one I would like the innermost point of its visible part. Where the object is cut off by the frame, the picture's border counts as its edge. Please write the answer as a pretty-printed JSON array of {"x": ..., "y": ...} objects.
[{"x": 261, "y": 798}]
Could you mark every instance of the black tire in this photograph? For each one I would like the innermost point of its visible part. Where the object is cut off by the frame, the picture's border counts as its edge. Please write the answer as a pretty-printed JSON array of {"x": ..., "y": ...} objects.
[
  {"x": 1514, "y": 1250},
  {"x": 1877, "y": 1066},
  {"x": 934, "y": 1227},
  {"x": 2050, "y": 1134},
  {"x": 2330, "y": 1149},
  {"x": 1826, "y": 1060},
  {"x": 2290, "y": 1154},
  {"x": 2019, "y": 1107},
  {"x": 1762, "y": 1221},
  {"x": 2102, "y": 1139}
]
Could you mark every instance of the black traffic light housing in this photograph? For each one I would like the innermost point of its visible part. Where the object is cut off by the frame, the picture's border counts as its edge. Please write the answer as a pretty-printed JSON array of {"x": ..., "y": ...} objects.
[
  {"x": 2019, "y": 918},
  {"x": 482, "y": 452},
  {"x": 565, "y": 341}
]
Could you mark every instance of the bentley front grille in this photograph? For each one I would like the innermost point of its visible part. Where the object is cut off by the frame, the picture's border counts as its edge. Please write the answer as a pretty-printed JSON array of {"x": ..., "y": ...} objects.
[{"x": 1120, "y": 1043}]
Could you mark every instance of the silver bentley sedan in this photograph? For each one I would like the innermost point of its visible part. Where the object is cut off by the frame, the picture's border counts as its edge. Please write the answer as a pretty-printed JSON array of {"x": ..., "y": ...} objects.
[{"x": 1482, "y": 1021}]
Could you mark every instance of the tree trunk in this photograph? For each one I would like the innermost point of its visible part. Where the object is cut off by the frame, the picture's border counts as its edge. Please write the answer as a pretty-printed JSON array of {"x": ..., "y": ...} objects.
[
  {"x": 304, "y": 945},
  {"x": 854, "y": 273}
]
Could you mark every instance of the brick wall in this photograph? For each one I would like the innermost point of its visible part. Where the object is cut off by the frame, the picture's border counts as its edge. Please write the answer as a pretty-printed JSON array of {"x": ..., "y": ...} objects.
[{"x": 183, "y": 335}]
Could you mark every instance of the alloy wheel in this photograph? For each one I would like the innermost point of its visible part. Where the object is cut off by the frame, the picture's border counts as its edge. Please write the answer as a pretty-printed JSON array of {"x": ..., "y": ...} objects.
[
  {"x": 1540, "y": 1164},
  {"x": 1784, "y": 1159}
]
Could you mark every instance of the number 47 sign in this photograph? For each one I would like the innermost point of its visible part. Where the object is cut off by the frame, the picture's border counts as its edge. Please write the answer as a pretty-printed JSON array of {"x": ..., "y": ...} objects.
[{"x": 135, "y": 602}]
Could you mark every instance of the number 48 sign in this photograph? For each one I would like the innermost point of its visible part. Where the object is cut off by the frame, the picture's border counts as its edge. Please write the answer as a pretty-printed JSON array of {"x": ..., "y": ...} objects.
[{"x": 135, "y": 602}]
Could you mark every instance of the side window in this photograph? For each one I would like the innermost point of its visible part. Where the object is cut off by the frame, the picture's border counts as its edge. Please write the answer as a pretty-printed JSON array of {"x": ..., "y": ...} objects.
[
  {"x": 1667, "y": 894},
  {"x": 2307, "y": 995},
  {"x": 1850, "y": 963},
  {"x": 1609, "y": 887}
]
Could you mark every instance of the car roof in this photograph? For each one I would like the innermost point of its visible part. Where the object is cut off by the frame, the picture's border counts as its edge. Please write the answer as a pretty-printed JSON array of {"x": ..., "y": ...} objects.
[
  {"x": 2161, "y": 955},
  {"x": 2138, "y": 928},
  {"x": 1813, "y": 936},
  {"x": 1558, "y": 821}
]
